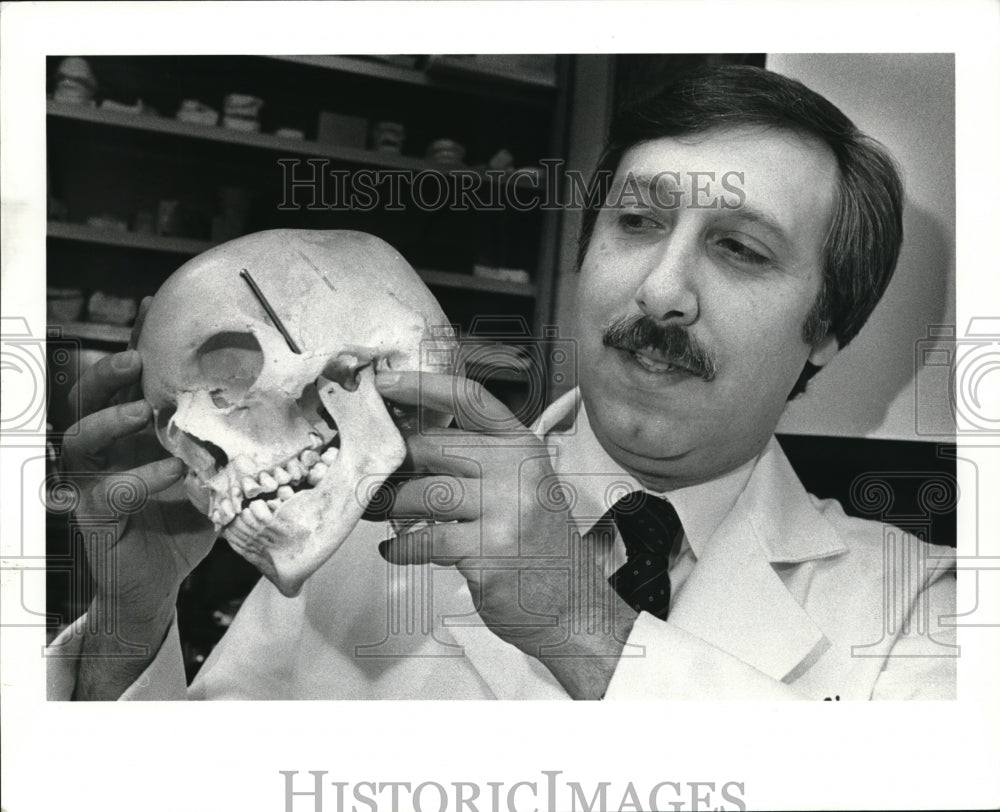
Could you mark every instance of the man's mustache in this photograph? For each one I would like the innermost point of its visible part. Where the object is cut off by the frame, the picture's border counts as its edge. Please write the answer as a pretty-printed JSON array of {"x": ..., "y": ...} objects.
[{"x": 673, "y": 343}]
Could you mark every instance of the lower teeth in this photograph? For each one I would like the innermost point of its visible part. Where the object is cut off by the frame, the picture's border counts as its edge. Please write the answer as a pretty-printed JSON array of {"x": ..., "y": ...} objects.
[{"x": 302, "y": 478}]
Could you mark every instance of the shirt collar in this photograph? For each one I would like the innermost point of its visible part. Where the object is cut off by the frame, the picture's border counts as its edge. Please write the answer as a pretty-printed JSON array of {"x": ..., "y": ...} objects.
[{"x": 596, "y": 481}]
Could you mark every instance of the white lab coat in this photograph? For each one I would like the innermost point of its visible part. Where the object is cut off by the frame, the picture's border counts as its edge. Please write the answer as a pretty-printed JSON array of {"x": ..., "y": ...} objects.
[{"x": 778, "y": 595}]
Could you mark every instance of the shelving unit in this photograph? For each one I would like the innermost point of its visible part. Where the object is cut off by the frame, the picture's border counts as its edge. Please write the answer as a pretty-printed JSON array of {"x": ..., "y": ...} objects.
[
  {"x": 275, "y": 143},
  {"x": 111, "y": 165},
  {"x": 114, "y": 163}
]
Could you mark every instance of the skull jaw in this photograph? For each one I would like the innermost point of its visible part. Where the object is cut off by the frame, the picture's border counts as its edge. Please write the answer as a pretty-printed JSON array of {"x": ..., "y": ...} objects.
[{"x": 309, "y": 528}]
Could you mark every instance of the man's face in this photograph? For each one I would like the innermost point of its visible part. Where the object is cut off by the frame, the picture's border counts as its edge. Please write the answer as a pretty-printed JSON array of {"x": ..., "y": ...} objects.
[{"x": 722, "y": 291}]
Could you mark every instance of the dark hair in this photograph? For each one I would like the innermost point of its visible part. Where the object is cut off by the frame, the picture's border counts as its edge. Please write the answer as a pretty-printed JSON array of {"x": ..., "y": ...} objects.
[{"x": 862, "y": 246}]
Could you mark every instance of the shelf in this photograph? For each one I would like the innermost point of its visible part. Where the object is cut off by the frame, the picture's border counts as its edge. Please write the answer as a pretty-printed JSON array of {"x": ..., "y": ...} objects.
[
  {"x": 273, "y": 143},
  {"x": 223, "y": 135},
  {"x": 179, "y": 245},
  {"x": 454, "y": 66},
  {"x": 360, "y": 67},
  {"x": 444, "y": 74},
  {"x": 92, "y": 331},
  {"x": 445, "y": 279},
  {"x": 127, "y": 239}
]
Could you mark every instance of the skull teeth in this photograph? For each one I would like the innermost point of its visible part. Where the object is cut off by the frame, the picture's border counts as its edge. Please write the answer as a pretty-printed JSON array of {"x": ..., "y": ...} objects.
[
  {"x": 260, "y": 510},
  {"x": 228, "y": 510},
  {"x": 251, "y": 488},
  {"x": 295, "y": 470},
  {"x": 317, "y": 472},
  {"x": 243, "y": 514}
]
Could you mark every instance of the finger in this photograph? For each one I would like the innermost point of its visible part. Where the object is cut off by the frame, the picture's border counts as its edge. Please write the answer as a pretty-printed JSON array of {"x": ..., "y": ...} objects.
[
  {"x": 99, "y": 382},
  {"x": 159, "y": 475},
  {"x": 438, "y": 453},
  {"x": 474, "y": 408},
  {"x": 89, "y": 440},
  {"x": 435, "y": 544},
  {"x": 128, "y": 491},
  {"x": 441, "y": 498},
  {"x": 134, "y": 390}
]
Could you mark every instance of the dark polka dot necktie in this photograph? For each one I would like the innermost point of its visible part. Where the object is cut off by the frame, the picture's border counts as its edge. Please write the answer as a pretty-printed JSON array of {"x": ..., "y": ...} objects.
[{"x": 649, "y": 527}]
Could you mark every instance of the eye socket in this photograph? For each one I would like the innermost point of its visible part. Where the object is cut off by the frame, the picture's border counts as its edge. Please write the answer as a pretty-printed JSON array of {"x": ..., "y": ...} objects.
[{"x": 231, "y": 361}]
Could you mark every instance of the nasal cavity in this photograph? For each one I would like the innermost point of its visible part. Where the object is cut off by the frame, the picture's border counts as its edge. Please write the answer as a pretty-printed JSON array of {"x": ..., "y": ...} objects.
[
  {"x": 187, "y": 444},
  {"x": 218, "y": 455}
]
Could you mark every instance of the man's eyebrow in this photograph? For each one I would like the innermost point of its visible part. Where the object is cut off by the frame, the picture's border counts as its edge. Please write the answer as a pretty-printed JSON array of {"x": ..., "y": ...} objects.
[
  {"x": 762, "y": 219},
  {"x": 679, "y": 182}
]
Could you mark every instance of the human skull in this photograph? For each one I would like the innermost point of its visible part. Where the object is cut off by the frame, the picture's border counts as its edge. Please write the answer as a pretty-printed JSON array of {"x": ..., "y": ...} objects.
[{"x": 284, "y": 434}]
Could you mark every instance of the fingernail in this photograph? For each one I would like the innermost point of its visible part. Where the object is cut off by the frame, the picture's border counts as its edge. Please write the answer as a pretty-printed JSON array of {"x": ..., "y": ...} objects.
[
  {"x": 125, "y": 360},
  {"x": 386, "y": 380},
  {"x": 137, "y": 408}
]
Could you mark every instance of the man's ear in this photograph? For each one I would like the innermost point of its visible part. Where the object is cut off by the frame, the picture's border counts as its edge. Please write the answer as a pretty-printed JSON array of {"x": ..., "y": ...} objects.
[{"x": 823, "y": 351}]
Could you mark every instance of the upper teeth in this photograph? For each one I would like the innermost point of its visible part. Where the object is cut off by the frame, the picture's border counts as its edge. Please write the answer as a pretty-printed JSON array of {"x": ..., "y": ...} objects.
[
  {"x": 317, "y": 472},
  {"x": 309, "y": 465},
  {"x": 295, "y": 470}
]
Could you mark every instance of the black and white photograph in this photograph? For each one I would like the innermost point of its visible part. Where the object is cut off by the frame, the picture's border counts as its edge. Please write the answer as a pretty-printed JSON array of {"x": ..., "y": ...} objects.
[{"x": 362, "y": 384}]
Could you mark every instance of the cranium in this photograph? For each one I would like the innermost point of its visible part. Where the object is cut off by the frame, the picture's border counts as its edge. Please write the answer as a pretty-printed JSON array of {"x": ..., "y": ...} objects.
[{"x": 284, "y": 434}]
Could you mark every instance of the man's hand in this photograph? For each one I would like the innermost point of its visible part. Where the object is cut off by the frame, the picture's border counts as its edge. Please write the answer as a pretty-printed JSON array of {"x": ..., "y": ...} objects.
[
  {"x": 500, "y": 518},
  {"x": 137, "y": 570}
]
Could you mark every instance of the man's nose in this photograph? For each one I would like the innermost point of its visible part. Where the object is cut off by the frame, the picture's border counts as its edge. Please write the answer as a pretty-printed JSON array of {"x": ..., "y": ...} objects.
[{"x": 668, "y": 293}]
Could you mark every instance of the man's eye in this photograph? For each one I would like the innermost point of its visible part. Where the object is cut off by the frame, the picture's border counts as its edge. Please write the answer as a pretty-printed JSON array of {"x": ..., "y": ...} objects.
[
  {"x": 742, "y": 252},
  {"x": 636, "y": 222}
]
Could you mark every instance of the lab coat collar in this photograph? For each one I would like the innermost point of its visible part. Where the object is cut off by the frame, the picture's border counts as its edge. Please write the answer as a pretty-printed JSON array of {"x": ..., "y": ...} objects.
[
  {"x": 733, "y": 598},
  {"x": 791, "y": 532}
]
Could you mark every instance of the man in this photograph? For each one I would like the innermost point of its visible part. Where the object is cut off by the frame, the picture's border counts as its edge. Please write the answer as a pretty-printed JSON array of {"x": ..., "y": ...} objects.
[{"x": 648, "y": 538}]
